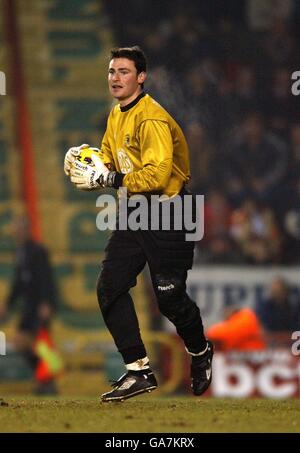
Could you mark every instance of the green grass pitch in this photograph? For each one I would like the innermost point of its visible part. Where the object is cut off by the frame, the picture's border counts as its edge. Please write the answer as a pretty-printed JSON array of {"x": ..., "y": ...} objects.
[{"x": 149, "y": 414}]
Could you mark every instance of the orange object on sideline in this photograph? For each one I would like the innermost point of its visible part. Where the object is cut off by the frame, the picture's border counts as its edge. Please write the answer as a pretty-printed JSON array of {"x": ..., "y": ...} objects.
[
  {"x": 240, "y": 332},
  {"x": 50, "y": 363}
]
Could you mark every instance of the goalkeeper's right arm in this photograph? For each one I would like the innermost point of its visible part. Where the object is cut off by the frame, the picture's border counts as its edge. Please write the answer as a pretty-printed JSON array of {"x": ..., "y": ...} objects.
[{"x": 106, "y": 154}]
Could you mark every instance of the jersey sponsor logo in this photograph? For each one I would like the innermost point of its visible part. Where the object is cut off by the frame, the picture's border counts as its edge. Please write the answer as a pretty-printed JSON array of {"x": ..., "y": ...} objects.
[{"x": 125, "y": 163}]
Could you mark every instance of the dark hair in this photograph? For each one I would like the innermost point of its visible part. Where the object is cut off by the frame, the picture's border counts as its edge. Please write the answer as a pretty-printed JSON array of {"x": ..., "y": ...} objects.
[{"x": 134, "y": 53}]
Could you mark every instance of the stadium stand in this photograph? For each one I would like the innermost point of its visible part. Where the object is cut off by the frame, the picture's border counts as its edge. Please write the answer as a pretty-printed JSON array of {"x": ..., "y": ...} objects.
[
  {"x": 223, "y": 70},
  {"x": 67, "y": 44}
]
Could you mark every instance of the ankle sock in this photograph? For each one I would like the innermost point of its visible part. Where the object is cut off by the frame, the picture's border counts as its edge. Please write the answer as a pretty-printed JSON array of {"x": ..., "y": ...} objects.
[{"x": 138, "y": 365}]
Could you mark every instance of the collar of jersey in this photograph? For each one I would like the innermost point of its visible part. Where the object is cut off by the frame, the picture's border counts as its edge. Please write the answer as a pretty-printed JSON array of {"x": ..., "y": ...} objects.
[{"x": 133, "y": 103}]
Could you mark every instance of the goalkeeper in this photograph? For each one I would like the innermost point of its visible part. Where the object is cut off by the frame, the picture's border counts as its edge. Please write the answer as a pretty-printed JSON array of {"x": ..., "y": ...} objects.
[{"x": 143, "y": 150}]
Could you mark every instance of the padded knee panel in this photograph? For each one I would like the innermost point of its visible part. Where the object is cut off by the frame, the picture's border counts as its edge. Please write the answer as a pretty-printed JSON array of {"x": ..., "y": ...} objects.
[
  {"x": 173, "y": 301},
  {"x": 170, "y": 292}
]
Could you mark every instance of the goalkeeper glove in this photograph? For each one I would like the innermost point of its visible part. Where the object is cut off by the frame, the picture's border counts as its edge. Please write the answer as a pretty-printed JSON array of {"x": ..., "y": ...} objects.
[
  {"x": 71, "y": 155},
  {"x": 86, "y": 177}
]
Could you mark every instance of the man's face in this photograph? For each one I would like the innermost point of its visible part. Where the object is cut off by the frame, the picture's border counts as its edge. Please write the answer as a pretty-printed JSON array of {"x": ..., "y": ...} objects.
[{"x": 123, "y": 79}]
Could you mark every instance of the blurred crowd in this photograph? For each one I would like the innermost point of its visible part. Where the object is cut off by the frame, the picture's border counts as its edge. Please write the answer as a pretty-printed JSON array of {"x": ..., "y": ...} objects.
[
  {"x": 223, "y": 70},
  {"x": 268, "y": 323}
]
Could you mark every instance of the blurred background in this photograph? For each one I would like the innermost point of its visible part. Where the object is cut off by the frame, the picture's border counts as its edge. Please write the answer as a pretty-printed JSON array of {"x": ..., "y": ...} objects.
[{"x": 223, "y": 70}]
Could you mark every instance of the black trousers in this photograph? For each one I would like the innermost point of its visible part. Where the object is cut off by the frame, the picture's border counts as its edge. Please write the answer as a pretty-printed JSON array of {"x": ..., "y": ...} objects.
[{"x": 169, "y": 257}]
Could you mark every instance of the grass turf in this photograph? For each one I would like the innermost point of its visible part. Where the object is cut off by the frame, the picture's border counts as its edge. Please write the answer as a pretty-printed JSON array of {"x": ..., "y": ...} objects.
[{"x": 148, "y": 414}]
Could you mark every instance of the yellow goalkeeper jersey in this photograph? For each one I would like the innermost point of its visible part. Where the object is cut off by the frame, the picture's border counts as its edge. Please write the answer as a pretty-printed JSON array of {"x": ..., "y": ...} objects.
[{"x": 145, "y": 143}]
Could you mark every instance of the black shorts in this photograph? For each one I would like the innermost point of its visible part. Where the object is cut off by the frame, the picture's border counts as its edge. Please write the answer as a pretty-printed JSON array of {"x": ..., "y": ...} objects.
[{"x": 161, "y": 248}]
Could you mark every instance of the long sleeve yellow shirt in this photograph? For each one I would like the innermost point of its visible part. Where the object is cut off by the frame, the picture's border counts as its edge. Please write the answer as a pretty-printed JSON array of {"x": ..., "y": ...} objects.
[{"x": 143, "y": 142}]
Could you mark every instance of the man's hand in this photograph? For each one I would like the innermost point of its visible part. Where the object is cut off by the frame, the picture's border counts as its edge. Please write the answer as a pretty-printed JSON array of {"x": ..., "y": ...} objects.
[
  {"x": 86, "y": 177},
  {"x": 71, "y": 155}
]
